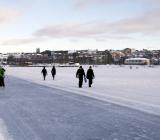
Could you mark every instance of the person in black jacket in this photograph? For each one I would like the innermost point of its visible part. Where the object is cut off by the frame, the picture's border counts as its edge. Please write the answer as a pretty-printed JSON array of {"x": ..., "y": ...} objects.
[
  {"x": 53, "y": 72},
  {"x": 44, "y": 72},
  {"x": 90, "y": 76},
  {"x": 2, "y": 73},
  {"x": 80, "y": 74}
]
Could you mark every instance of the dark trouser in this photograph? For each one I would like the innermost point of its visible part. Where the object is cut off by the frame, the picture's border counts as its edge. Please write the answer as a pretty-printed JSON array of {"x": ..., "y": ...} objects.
[
  {"x": 90, "y": 82},
  {"x": 53, "y": 75},
  {"x": 44, "y": 76},
  {"x": 80, "y": 82},
  {"x": 2, "y": 81}
]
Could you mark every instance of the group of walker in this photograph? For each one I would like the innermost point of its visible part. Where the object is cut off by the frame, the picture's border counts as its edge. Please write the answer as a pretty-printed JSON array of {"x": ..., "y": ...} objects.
[
  {"x": 44, "y": 72},
  {"x": 79, "y": 74}
]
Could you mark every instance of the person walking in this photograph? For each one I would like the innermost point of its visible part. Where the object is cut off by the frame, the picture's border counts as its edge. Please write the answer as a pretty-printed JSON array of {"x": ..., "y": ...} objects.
[
  {"x": 44, "y": 72},
  {"x": 53, "y": 72},
  {"x": 90, "y": 76},
  {"x": 2, "y": 72},
  {"x": 80, "y": 74}
]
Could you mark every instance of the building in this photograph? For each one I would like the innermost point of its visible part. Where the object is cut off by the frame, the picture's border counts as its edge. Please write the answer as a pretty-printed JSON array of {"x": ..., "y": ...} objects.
[
  {"x": 137, "y": 61},
  {"x": 3, "y": 59},
  {"x": 128, "y": 52},
  {"x": 60, "y": 56},
  {"x": 118, "y": 57},
  {"x": 38, "y": 50}
]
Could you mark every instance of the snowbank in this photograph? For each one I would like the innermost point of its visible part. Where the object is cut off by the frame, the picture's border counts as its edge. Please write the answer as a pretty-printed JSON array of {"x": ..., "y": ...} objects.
[
  {"x": 137, "y": 88},
  {"x": 4, "y": 135}
]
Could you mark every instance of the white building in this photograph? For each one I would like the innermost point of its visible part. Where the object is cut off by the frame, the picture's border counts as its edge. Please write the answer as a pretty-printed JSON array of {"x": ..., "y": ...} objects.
[
  {"x": 137, "y": 61},
  {"x": 3, "y": 58}
]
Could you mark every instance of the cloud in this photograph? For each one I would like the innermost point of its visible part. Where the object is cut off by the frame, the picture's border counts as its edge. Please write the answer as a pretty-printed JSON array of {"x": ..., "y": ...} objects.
[
  {"x": 20, "y": 41},
  {"x": 85, "y": 3},
  {"x": 68, "y": 30},
  {"x": 147, "y": 24},
  {"x": 7, "y": 15}
]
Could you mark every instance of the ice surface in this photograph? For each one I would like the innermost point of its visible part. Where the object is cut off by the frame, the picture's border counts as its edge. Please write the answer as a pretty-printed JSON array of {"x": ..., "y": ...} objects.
[
  {"x": 137, "y": 88},
  {"x": 30, "y": 111},
  {"x": 4, "y": 135}
]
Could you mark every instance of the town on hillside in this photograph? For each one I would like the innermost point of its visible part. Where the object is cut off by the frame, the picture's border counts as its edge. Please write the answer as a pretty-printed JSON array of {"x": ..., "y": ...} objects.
[{"x": 91, "y": 57}]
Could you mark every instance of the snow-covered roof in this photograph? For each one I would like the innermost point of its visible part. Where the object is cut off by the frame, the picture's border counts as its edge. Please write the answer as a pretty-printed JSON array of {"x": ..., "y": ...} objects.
[{"x": 137, "y": 59}]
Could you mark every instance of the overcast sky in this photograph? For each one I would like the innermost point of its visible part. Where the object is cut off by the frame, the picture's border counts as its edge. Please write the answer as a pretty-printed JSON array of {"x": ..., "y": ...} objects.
[{"x": 79, "y": 24}]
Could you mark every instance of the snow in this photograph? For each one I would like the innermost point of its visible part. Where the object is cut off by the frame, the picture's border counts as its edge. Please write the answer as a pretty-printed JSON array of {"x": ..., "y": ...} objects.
[
  {"x": 137, "y": 88},
  {"x": 137, "y": 59},
  {"x": 30, "y": 111},
  {"x": 4, "y": 135}
]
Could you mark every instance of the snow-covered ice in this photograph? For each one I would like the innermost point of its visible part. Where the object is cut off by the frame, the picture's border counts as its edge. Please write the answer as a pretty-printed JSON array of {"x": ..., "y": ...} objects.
[
  {"x": 29, "y": 111},
  {"x": 4, "y": 135},
  {"x": 137, "y": 88}
]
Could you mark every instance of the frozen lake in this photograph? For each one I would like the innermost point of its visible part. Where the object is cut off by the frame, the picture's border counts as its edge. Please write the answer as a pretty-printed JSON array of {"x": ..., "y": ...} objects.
[
  {"x": 29, "y": 111},
  {"x": 137, "y": 88}
]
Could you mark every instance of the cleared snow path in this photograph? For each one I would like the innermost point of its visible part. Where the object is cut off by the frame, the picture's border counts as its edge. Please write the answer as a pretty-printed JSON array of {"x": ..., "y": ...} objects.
[
  {"x": 137, "y": 88},
  {"x": 34, "y": 112}
]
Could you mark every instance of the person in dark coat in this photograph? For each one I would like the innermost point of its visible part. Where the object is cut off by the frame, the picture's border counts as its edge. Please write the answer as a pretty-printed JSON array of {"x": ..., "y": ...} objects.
[
  {"x": 80, "y": 74},
  {"x": 44, "y": 72},
  {"x": 2, "y": 72},
  {"x": 90, "y": 76},
  {"x": 53, "y": 72}
]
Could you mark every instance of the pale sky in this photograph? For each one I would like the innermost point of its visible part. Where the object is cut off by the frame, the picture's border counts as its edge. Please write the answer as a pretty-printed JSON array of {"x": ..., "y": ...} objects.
[{"x": 79, "y": 24}]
